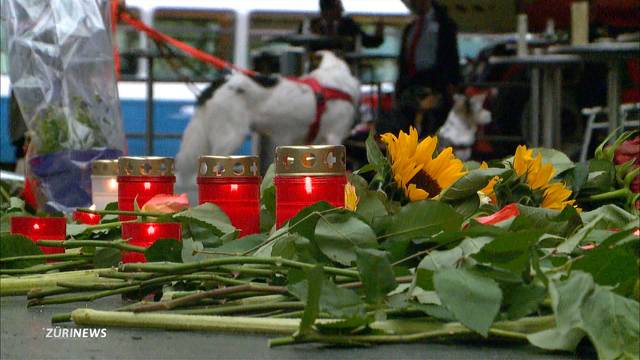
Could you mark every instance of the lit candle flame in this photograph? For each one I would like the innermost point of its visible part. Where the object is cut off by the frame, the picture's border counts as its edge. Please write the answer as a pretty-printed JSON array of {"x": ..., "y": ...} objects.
[
  {"x": 151, "y": 230},
  {"x": 113, "y": 184},
  {"x": 307, "y": 185},
  {"x": 234, "y": 187},
  {"x": 147, "y": 185},
  {"x": 36, "y": 227}
]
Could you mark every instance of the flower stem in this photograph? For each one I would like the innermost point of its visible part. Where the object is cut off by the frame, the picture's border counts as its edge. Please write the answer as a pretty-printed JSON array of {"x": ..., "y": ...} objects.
[
  {"x": 620, "y": 193},
  {"x": 69, "y": 244},
  {"x": 21, "y": 285},
  {"x": 45, "y": 257},
  {"x": 123, "y": 212},
  {"x": 193, "y": 298},
  {"x": 42, "y": 268},
  {"x": 236, "y": 309},
  {"x": 217, "y": 262}
]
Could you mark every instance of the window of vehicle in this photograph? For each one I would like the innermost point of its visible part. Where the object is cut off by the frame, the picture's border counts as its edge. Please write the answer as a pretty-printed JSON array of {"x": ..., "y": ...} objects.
[
  {"x": 127, "y": 39},
  {"x": 381, "y": 66},
  {"x": 209, "y": 31}
]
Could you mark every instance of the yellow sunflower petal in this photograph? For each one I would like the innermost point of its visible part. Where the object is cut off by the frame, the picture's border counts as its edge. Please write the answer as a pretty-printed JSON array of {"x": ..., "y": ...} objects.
[
  {"x": 555, "y": 197},
  {"x": 350, "y": 197},
  {"x": 415, "y": 194}
]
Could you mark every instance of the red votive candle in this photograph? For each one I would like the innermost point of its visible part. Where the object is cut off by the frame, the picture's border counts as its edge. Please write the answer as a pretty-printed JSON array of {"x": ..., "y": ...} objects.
[
  {"x": 142, "y": 178},
  {"x": 145, "y": 234},
  {"x": 41, "y": 228},
  {"x": 233, "y": 184},
  {"x": 306, "y": 175},
  {"x": 86, "y": 218}
]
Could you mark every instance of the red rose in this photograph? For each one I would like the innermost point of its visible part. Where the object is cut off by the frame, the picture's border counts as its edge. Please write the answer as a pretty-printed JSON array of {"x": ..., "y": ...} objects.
[{"x": 628, "y": 150}]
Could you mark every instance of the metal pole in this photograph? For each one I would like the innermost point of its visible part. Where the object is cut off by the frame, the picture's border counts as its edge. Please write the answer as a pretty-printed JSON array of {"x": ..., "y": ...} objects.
[
  {"x": 148, "y": 132},
  {"x": 548, "y": 110},
  {"x": 613, "y": 100},
  {"x": 557, "y": 107},
  {"x": 534, "y": 121}
]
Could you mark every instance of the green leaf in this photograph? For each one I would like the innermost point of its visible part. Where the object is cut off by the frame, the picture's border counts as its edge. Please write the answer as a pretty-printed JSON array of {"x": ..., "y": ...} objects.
[
  {"x": 523, "y": 299},
  {"x": 209, "y": 216},
  {"x": 570, "y": 244},
  {"x": 304, "y": 223},
  {"x": 164, "y": 250},
  {"x": 615, "y": 266},
  {"x": 547, "y": 221},
  {"x": 613, "y": 217},
  {"x": 473, "y": 299},
  {"x": 422, "y": 219},
  {"x": 611, "y": 322},
  {"x": 376, "y": 274},
  {"x": 558, "y": 159},
  {"x": 453, "y": 258},
  {"x": 576, "y": 178},
  {"x": 339, "y": 235},
  {"x": 241, "y": 245},
  {"x": 371, "y": 205},
  {"x": 268, "y": 199},
  {"x": 470, "y": 184},
  {"x": 510, "y": 251},
  {"x": 315, "y": 277},
  {"x": 18, "y": 245},
  {"x": 467, "y": 207},
  {"x": 107, "y": 257},
  {"x": 583, "y": 308},
  {"x": 334, "y": 300},
  {"x": 374, "y": 155}
]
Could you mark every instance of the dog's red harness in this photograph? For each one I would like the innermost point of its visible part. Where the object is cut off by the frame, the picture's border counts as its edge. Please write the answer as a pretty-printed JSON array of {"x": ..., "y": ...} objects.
[{"x": 323, "y": 95}]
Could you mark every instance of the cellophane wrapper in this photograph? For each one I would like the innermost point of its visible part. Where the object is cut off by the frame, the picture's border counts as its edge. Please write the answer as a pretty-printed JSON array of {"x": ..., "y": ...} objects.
[{"x": 62, "y": 74}]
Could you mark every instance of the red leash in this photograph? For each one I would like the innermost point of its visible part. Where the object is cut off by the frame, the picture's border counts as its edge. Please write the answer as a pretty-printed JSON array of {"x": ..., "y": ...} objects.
[{"x": 196, "y": 53}]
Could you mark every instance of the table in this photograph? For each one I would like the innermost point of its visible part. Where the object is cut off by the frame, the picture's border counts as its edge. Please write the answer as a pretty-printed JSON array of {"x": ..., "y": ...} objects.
[
  {"x": 614, "y": 55},
  {"x": 23, "y": 337},
  {"x": 546, "y": 88}
]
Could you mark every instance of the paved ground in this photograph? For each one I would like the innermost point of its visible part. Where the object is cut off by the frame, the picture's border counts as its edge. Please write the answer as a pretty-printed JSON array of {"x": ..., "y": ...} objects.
[{"x": 23, "y": 337}]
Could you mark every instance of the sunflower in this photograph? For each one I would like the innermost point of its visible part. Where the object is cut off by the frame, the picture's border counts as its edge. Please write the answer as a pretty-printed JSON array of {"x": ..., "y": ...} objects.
[
  {"x": 415, "y": 170},
  {"x": 538, "y": 176},
  {"x": 488, "y": 190},
  {"x": 555, "y": 197}
]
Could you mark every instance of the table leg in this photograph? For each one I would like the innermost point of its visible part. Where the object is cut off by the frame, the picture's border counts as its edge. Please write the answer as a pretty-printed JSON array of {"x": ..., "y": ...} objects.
[
  {"x": 534, "y": 121},
  {"x": 613, "y": 97},
  {"x": 548, "y": 110},
  {"x": 557, "y": 107}
]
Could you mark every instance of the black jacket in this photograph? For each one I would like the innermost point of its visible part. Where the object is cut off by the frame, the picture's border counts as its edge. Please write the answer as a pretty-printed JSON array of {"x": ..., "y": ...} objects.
[{"x": 447, "y": 68}]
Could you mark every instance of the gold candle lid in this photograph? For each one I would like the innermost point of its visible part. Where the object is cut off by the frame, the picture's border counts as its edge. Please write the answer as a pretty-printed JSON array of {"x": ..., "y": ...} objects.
[
  {"x": 104, "y": 167},
  {"x": 311, "y": 160},
  {"x": 228, "y": 166},
  {"x": 145, "y": 166}
]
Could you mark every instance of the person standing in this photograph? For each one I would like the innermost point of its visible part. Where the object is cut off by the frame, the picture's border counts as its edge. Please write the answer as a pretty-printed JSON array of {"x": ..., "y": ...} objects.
[
  {"x": 332, "y": 22},
  {"x": 429, "y": 57}
]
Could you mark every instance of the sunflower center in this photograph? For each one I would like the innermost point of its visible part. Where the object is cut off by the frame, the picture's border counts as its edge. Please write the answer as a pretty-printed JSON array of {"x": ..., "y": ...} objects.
[{"x": 423, "y": 181}]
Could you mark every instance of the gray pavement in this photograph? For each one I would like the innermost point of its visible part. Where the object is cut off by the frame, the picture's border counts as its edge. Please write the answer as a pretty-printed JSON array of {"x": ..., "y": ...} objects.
[{"x": 23, "y": 337}]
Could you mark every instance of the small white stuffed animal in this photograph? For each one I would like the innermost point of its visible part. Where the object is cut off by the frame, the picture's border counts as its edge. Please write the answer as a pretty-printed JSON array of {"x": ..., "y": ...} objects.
[{"x": 459, "y": 131}]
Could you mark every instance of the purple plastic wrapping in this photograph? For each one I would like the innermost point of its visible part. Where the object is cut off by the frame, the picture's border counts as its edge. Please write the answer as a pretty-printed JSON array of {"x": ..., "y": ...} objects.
[{"x": 62, "y": 74}]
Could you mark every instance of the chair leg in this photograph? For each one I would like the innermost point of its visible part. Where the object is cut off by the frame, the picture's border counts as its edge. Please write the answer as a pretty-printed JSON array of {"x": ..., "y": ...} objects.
[{"x": 588, "y": 132}]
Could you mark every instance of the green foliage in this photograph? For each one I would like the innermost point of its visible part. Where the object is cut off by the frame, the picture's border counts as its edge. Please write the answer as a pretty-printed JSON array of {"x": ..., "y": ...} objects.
[
  {"x": 338, "y": 236},
  {"x": 106, "y": 257},
  {"x": 473, "y": 299},
  {"x": 18, "y": 245},
  {"x": 164, "y": 250}
]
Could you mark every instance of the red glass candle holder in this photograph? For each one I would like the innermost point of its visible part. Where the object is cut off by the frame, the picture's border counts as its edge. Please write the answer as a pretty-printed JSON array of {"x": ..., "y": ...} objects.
[
  {"x": 41, "y": 228},
  {"x": 142, "y": 178},
  {"x": 144, "y": 234},
  {"x": 86, "y": 218},
  {"x": 306, "y": 175},
  {"x": 233, "y": 184}
]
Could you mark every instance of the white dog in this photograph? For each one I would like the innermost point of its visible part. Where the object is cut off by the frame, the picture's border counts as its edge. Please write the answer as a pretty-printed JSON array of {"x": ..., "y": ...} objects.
[
  {"x": 281, "y": 108},
  {"x": 459, "y": 131}
]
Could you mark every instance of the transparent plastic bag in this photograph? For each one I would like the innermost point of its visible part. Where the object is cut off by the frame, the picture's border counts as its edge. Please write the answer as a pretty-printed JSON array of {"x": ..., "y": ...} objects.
[{"x": 62, "y": 74}]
